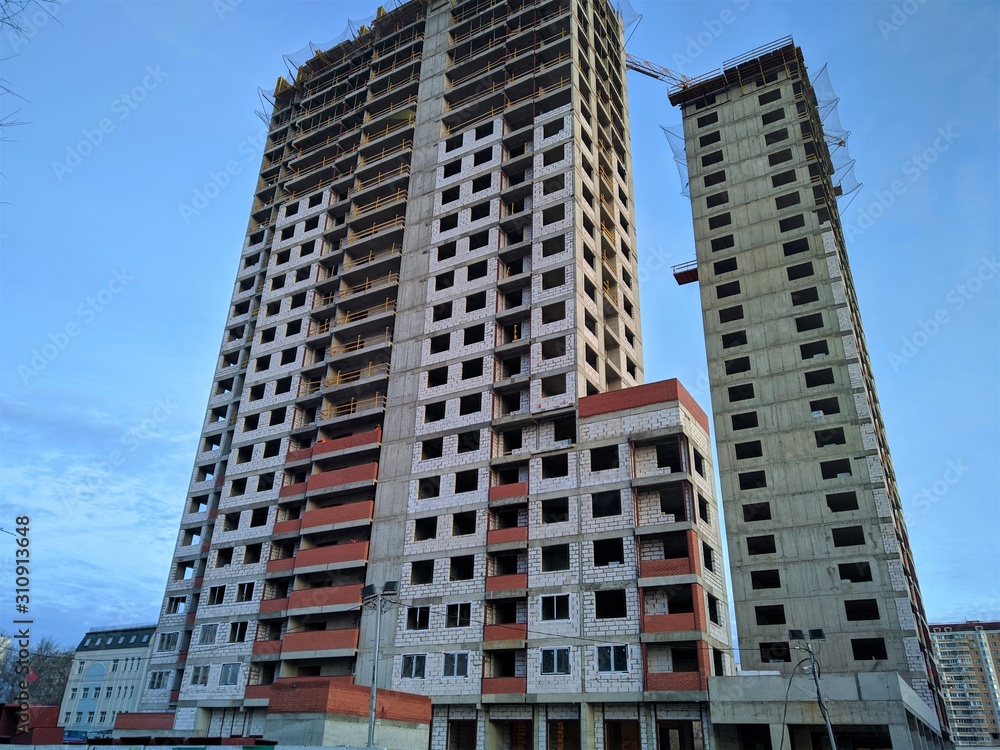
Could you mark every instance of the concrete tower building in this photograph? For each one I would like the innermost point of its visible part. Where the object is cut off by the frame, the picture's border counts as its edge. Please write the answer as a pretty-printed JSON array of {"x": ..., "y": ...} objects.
[
  {"x": 431, "y": 375},
  {"x": 816, "y": 533}
]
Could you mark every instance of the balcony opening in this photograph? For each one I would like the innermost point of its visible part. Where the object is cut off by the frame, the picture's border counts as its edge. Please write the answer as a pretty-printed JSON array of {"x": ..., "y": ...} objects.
[
  {"x": 775, "y": 652},
  {"x": 434, "y": 412},
  {"x": 441, "y": 312},
  {"x": 714, "y": 610},
  {"x": 830, "y": 436},
  {"x": 816, "y": 378},
  {"x": 474, "y": 334},
  {"x": 669, "y": 455},
  {"x": 424, "y": 529},
  {"x": 609, "y": 605},
  {"x": 447, "y": 251},
  {"x": 753, "y": 480},
  {"x": 432, "y": 448},
  {"x": 468, "y": 441},
  {"x": 814, "y": 349},
  {"x": 765, "y": 579},
  {"x": 855, "y": 572},
  {"x": 824, "y": 406},
  {"x": 608, "y": 552},
  {"x": 757, "y": 512},
  {"x": 564, "y": 429},
  {"x": 604, "y": 459},
  {"x": 736, "y": 338},
  {"x": 470, "y": 404},
  {"x": 772, "y": 614},
  {"x": 428, "y": 487},
  {"x": 848, "y": 536},
  {"x": 555, "y": 466},
  {"x": 861, "y": 609},
  {"x": 674, "y": 502},
  {"x": 464, "y": 523},
  {"x": 736, "y": 366},
  {"x": 555, "y": 510},
  {"x": 462, "y": 568},
  {"x": 554, "y": 385},
  {"x": 555, "y": 557},
  {"x": 839, "y": 469},
  {"x": 604, "y": 504},
  {"x": 750, "y": 449},
  {"x": 761, "y": 545},
  {"x": 869, "y": 649}
]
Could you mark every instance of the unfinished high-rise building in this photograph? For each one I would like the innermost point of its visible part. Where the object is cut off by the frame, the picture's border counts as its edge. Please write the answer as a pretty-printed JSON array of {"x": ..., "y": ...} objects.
[
  {"x": 817, "y": 540},
  {"x": 431, "y": 375}
]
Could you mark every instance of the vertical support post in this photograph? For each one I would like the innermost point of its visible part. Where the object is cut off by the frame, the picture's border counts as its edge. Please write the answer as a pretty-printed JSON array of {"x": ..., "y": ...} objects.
[{"x": 374, "y": 693}]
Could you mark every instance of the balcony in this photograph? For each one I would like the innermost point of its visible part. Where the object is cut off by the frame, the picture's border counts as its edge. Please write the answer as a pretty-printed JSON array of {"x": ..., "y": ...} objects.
[
  {"x": 675, "y": 681},
  {"x": 511, "y": 534},
  {"x": 673, "y": 567},
  {"x": 274, "y": 605},
  {"x": 330, "y": 596},
  {"x": 678, "y": 622},
  {"x": 350, "y": 475},
  {"x": 507, "y": 491},
  {"x": 292, "y": 489},
  {"x": 504, "y": 685},
  {"x": 257, "y": 692},
  {"x": 514, "y": 631},
  {"x": 508, "y": 582},
  {"x": 144, "y": 721},
  {"x": 685, "y": 273},
  {"x": 350, "y": 441},
  {"x": 281, "y": 564},
  {"x": 267, "y": 647},
  {"x": 338, "y": 514},
  {"x": 285, "y": 527},
  {"x": 321, "y": 640},
  {"x": 336, "y": 553}
]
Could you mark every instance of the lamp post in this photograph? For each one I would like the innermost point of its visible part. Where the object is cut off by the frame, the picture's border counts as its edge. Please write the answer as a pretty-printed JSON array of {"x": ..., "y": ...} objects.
[
  {"x": 816, "y": 634},
  {"x": 372, "y": 594}
]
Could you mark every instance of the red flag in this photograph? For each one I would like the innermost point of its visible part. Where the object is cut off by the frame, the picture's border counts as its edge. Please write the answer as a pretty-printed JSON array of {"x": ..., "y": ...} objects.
[{"x": 32, "y": 676}]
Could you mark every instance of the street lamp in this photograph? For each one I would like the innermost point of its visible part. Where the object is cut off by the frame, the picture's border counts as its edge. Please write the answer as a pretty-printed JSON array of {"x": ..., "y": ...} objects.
[
  {"x": 372, "y": 595},
  {"x": 815, "y": 634}
]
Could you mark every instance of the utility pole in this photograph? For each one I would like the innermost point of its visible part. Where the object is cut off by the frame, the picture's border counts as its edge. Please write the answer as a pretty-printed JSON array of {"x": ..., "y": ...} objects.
[
  {"x": 372, "y": 594},
  {"x": 816, "y": 634}
]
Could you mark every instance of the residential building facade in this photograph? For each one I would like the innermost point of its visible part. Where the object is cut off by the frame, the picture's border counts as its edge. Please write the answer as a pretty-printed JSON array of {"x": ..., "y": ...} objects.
[
  {"x": 968, "y": 655},
  {"x": 107, "y": 678},
  {"x": 431, "y": 373}
]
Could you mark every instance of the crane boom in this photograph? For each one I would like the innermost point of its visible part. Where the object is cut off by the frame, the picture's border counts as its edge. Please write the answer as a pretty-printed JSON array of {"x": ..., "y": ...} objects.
[{"x": 655, "y": 71}]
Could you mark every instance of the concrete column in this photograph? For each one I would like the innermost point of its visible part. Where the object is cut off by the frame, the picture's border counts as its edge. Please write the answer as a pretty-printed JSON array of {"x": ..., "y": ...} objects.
[
  {"x": 780, "y": 739},
  {"x": 901, "y": 738}
]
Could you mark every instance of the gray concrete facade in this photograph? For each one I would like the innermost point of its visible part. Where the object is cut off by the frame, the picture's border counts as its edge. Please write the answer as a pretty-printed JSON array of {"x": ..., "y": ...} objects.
[{"x": 816, "y": 533}]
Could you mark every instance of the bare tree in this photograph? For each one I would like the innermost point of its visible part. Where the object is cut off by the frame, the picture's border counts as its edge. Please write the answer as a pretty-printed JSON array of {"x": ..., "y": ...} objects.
[
  {"x": 45, "y": 672},
  {"x": 15, "y": 27}
]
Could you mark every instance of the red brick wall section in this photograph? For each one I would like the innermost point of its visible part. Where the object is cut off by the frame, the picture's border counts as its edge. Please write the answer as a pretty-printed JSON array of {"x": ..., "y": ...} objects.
[
  {"x": 350, "y": 441},
  {"x": 325, "y": 695},
  {"x": 637, "y": 396},
  {"x": 503, "y": 491},
  {"x": 144, "y": 721},
  {"x": 349, "y": 475}
]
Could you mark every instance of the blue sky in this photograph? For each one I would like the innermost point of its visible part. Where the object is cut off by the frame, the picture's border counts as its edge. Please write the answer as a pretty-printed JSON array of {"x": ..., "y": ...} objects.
[{"x": 115, "y": 276}]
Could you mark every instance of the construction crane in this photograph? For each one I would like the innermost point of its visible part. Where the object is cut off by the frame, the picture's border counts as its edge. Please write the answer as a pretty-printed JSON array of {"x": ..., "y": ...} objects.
[
  {"x": 684, "y": 273},
  {"x": 655, "y": 71}
]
